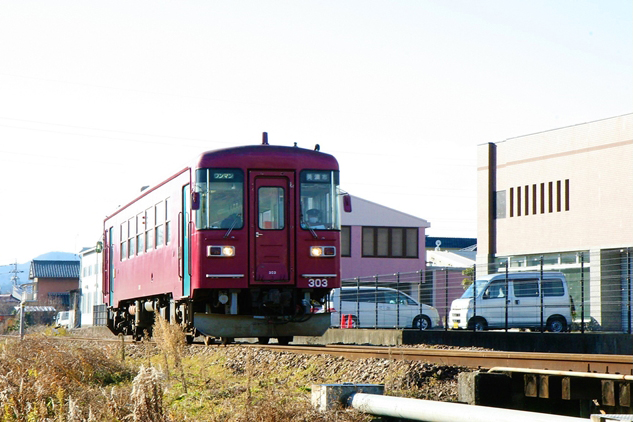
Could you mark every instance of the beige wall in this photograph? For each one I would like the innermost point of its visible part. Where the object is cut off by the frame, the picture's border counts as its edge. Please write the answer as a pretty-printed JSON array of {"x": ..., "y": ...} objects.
[{"x": 596, "y": 158}]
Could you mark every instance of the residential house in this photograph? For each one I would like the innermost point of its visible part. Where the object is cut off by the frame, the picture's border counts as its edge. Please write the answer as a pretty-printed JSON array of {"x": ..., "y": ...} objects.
[{"x": 55, "y": 283}]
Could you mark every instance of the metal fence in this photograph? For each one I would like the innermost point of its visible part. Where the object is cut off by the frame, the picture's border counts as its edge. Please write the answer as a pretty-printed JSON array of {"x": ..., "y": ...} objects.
[
  {"x": 100, "y": 315},
  {"x": 596, "y": 295}
]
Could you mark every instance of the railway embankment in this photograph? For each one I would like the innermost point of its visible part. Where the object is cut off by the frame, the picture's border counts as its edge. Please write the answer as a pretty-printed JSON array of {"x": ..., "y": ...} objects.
[{"x": 511, "y": 341}]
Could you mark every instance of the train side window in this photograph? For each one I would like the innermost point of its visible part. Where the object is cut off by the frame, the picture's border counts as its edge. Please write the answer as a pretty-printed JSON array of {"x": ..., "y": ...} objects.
[
  {"x": 270, "y": 204},
  {"x": 167, "y": 222},
  {"x": 123, "y": 239},
  {"x": 140, "y": 233},
  {"x": 131, "y": 238},
  {"x": 149, "y": 229},
  {"x": 159, "y": 210}
]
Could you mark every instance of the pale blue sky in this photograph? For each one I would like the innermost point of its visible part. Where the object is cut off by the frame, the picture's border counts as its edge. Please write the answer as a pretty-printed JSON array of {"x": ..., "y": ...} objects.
[{"x": 100, "y": 98}]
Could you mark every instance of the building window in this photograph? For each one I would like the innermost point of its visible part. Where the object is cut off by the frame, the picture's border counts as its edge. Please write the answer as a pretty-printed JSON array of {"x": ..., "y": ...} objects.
[
  {"x": 566, "y": 194},
  {"x": 346, "y": 241},
  {"x": 500, "y": 204},
  {"x": 553, "y": 197},
  {"x": 390, "y": 242}
]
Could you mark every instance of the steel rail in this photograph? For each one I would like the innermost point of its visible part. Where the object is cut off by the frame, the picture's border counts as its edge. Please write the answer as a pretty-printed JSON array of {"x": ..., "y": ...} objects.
[
  {"x": 604, "y": 364},
  {"x": 476, "y": 359}
]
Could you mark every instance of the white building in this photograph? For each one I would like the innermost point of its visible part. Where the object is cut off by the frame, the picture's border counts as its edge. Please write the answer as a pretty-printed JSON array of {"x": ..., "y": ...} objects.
[
  {"x": 91, "y": 286},
  {"x": 563, "y": 199}
]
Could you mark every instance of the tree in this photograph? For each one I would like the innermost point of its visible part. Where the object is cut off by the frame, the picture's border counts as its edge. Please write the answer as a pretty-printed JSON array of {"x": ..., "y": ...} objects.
[{"x": 470, "y": 275}]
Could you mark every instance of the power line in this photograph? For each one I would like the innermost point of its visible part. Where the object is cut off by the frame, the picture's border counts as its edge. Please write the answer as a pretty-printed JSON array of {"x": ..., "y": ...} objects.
[{"x": 178, "y": 138}]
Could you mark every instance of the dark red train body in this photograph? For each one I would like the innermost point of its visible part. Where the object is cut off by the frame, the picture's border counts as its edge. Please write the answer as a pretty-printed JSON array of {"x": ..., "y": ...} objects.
[{"x": 241, "y": 244}]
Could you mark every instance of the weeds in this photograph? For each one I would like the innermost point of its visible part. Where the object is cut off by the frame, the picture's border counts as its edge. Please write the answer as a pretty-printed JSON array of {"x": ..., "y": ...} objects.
[
  {"x": 147, "y": 396},
  {"x": 171, "y": 340},
  {"x": 46, "y": 380}
]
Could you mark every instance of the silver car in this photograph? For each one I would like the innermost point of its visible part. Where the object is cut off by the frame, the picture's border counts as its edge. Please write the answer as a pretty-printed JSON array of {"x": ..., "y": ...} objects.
[{"x": 379, "y": 307}]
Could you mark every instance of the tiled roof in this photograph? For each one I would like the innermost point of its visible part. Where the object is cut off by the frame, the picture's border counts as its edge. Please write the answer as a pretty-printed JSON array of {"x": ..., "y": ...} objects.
[{"x": 54, "y": 269}]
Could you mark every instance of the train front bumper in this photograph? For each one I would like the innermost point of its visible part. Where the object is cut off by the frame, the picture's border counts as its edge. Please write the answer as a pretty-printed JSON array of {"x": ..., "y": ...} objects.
[{"x": 238, "y": 326}]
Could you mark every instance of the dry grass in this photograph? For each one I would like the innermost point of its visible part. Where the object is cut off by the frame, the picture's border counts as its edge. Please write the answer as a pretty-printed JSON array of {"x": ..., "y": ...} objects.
[
  {"x": 46, "y": 380},
  {"x": 41, "y": 379}
]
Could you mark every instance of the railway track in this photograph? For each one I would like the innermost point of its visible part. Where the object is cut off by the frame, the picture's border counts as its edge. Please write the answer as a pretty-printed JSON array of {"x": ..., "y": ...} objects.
[
  {"x": 476, "y": 359},
  {"x": 604, "y": 364}
]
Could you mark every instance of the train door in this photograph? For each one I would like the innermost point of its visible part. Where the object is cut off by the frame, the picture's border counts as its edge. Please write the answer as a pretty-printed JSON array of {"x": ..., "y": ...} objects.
[
  {"x": 184, "y": 245},
  {"x": 272, "y": 221}
]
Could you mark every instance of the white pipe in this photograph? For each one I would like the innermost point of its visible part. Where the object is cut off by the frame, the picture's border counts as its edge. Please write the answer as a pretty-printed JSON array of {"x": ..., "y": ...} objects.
[
  {"x": 616, "y": 377},
  {"x": 433, "y": 411}
]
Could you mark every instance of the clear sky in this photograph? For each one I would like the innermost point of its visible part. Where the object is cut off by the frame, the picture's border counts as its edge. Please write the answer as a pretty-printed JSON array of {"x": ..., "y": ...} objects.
[{"x": 98, "y": 98}]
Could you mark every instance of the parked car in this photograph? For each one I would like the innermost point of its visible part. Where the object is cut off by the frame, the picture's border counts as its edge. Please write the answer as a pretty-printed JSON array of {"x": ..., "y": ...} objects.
[
  {"x": 65, "y": 319},
  {"x": 382, "y": 307},
  {"x": 520, "y": 296}
]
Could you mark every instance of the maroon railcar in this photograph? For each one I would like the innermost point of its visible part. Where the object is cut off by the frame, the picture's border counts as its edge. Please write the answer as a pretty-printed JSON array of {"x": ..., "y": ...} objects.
[{"x": 242, "y": 244}]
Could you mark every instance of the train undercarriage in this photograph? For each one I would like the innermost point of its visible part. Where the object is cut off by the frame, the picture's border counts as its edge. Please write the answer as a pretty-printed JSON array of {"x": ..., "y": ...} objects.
[{"x": 226, "y": 314}]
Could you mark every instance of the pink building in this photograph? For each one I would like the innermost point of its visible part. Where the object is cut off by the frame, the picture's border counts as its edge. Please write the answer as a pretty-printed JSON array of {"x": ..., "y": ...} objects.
[{"x": 377, "y": 240}]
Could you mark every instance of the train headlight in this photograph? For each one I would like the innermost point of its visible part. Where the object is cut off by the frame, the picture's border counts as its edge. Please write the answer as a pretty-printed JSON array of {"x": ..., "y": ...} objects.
[
  {"x": 322, "y": 251},
  {"x": 220, "y": 251}
]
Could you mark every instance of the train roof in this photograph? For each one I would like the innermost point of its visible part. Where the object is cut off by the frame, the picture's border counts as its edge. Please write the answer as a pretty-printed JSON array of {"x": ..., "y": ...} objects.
[
  {"x": 254, "y": 156},
  {"x": 251, "y": 156}
]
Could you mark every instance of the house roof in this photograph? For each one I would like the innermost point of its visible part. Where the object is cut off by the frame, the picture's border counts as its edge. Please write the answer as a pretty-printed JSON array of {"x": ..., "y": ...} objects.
[
  {"x": 367, "y": 213},
  {"x": 7, "y": 298},
  {"x": 54, "y": 269},
  {"x": 449, "y": 259}
]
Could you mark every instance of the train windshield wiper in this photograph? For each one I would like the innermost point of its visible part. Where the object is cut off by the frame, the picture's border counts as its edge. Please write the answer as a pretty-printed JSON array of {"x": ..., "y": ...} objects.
[
  {"x": 235, "y": 221},
  {"x": 304, "y": 224}
]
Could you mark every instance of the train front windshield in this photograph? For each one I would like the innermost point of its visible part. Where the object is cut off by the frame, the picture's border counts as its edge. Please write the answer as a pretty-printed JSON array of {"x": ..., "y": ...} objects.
[
  {"x": 319, "y": 200},
  {"x": 221, "y": 199}
]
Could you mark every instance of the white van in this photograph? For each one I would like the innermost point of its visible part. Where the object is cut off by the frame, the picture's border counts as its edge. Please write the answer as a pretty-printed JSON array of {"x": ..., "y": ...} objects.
[
  {"x": 521, "y": 297},
  {"x": 382, "y": 307}
]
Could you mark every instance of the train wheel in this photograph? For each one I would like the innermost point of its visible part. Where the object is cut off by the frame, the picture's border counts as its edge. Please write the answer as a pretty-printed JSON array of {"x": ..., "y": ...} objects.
[
  {"x": 263, "y": 340},
  {"x": 138, "y": 335},
  {"x": 284, "y": 340},
  {"x": 189, "y": 339},
  {"x": 226, "y": 340},
  {"x": 208, "y": 340}
]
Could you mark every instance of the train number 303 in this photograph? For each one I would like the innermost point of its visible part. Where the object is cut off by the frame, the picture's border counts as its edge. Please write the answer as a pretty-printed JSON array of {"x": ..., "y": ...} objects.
[{"x": 317, "y": 282}]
